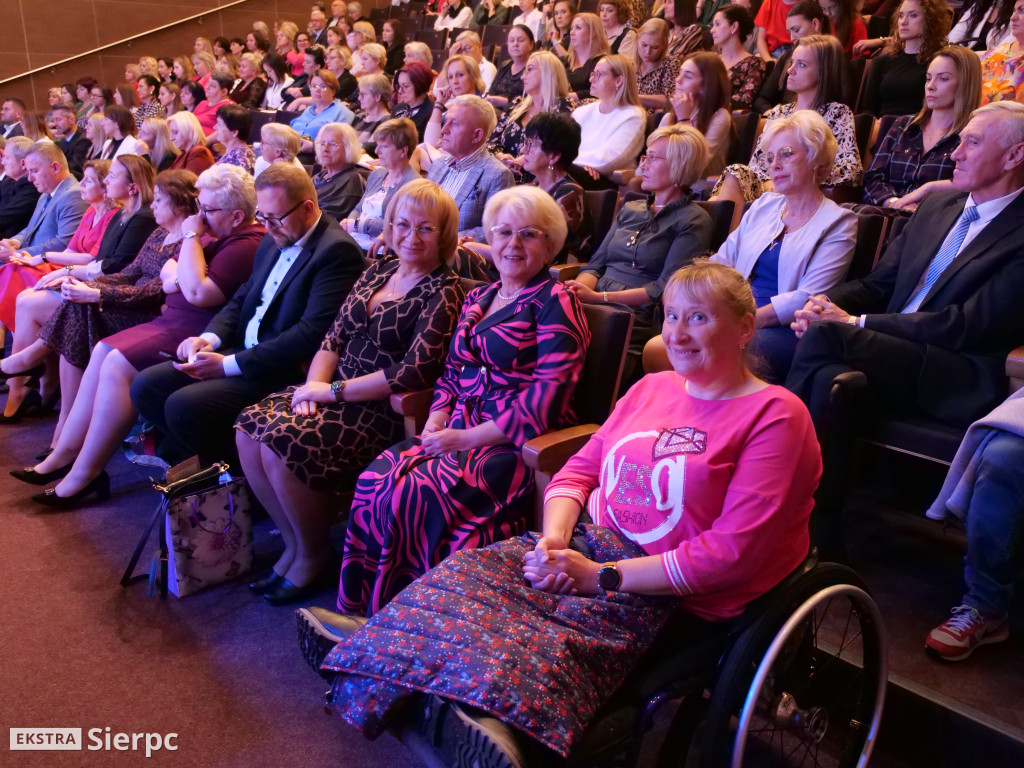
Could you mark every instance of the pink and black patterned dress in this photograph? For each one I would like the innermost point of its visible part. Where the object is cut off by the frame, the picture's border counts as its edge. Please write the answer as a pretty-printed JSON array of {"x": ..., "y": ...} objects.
[{"x": 517, "y": 368}]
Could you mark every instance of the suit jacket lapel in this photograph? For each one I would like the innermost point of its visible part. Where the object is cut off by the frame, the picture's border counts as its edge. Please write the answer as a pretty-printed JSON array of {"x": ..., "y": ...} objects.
[
  {"x": 919, "y": 258},
  {"x": 1001, "y": 226},
  {"x": 258, "y": 281},
  {"x": 304, "y": 256}
]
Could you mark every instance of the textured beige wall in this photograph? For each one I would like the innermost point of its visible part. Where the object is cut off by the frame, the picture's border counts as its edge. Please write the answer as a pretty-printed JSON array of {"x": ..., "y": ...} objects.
[{"x": 40, "y": 32}]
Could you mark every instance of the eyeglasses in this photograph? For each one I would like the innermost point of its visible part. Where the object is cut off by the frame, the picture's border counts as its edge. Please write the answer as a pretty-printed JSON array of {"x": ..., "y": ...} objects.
[
  {"x": 528, "y": 145},
  {"x": 319, "y": 88},
  {"x": 527, "y": 235},
  {"x": 207, "y": 211},
  {"x": 597, "y": 74},
  {"x": 405, "y": 229},
  {"x": 651, "y": 158},
  {"x": 784, "y": 155},
  {"x": 276, "y": 221},
  {"x": 403, "y": 86},
  {"x": 332, "y": 145}
]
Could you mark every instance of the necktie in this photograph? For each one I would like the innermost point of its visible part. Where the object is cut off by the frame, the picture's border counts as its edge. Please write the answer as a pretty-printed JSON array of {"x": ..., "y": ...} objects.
[
  {"x": 37, "y": 220},
  {"x": 943, "y": 258}
]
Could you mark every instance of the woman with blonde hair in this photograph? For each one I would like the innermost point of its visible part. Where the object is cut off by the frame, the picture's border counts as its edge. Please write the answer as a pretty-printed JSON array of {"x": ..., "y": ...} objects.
[
  {"x": 201, "y": 45},
  {"x": 300, "y": 447},
  {"x": 545, "y": 89},
  {"x": 249, "y": 89},
  {"x": 205, "y": 66},
  {"x": 814, "y": 76},
  {"x": 416, "y": 50},
  {"x": 96, "y": 133},
  {"x": 155, "y": 132},
  {"x": 372, "y": 58},
  {"x": 362, "y": 33},
  {"x": 613, "y": 126},
  {"x": 228, "y": 65},
  {"x": 793, "y": 242},
  {"x": 461, "y": 77},
  {"x": 339, "y": 184},
  {"x": 656, "y": 71},
  {"x": 587, "y": 44},
  {"x": 187, "y": 135}
]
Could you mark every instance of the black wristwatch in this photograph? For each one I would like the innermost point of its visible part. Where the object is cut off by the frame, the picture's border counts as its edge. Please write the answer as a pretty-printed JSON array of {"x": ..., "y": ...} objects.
[
  {"x": 609, "y": 578},
  {"x": 337, "y": 387}
]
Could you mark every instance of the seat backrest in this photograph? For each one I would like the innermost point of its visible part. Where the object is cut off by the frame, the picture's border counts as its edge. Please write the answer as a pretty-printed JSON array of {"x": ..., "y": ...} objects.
[
  {"x": 257, "y": 119},
  {"x": 741, "y": 147},
  {"x": 495, "y": 34},
  {"x": 721, "y": 212},
  {"x": 601, "y": 204},
  {"x": 598, "y": 387},
  {"x": 885, "y": 123},
  {"x": 863, "y": 125},
  {"x": 857, "y": 71},
  {"x": 434, "y": 38},
  {"x": 870, "y": 233},
  {"x": 895, "y": 227}
]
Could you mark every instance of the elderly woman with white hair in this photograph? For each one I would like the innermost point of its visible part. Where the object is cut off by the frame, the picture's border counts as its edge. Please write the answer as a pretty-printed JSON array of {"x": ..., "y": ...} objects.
[
  {"x": 649, "y": 241},
  {"x": 374, "y": 98},
  {"x": 793, "y": 242},
  {"x": 338, "y": 185},
  {"x": 214, "y": 258},
  {"x": 511, "y": 371}
]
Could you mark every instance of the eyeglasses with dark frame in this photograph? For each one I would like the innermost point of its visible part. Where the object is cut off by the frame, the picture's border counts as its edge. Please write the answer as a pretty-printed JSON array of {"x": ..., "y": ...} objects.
[{"x": 277, "y": 221}]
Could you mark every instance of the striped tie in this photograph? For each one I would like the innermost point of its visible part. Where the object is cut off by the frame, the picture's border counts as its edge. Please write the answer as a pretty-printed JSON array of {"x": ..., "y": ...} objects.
[{"x": 943, "y": 258}]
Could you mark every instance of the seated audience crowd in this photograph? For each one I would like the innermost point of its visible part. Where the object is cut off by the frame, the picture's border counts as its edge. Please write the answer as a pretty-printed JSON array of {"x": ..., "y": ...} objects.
[{"x": 255, "y": 252}]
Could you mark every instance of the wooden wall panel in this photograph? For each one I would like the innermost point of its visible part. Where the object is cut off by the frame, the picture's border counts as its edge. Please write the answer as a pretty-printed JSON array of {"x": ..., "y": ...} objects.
[{"x": 38, "y": 32}]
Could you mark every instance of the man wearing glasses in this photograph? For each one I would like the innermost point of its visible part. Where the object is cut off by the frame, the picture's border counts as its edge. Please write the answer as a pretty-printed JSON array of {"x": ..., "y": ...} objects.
[{"x": 257, "y": 344}]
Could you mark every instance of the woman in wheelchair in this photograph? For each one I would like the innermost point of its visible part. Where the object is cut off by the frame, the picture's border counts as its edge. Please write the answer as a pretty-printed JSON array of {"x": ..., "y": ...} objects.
[{"x": 699, "y": 488}]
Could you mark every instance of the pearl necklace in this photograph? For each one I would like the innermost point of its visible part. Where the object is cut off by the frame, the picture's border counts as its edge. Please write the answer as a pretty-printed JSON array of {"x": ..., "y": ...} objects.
[{"x": 513, "y": 297}]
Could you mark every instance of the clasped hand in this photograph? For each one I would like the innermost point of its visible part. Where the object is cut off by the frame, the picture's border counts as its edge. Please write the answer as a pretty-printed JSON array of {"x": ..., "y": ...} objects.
[
  {"x": 552, "y": 567},
  {"x": 308, "y": 395},
  {"x": 818, "y": 309},
  {"x": 202, "y": 362},
  {"x": 77, "y": 292}
]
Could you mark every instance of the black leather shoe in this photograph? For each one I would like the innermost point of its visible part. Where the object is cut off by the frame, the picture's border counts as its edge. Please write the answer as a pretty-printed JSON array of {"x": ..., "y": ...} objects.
[
  {"x": 29, "y": 475},
  {"x": 269, "y": 582},
  {"x": 32, "y": 400},
  {"x": 286, "y": 593},
  {"x": 100, "y": 485}
]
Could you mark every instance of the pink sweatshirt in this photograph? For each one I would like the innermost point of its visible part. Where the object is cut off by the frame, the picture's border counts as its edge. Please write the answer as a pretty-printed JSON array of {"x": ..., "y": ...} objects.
[{"x": 721, "y": 489}]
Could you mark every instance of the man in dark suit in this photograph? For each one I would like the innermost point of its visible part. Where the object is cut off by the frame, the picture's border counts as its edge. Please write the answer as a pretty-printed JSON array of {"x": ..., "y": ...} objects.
[
  {"x": 18, "y": 195},
  {"x": 931, "y": 325},
  {"x": 258, "y": 342},
  {"x": 318, "y": 28},
  {"x": 10, "y": 117},
  {"x": 72, "y": 142}
]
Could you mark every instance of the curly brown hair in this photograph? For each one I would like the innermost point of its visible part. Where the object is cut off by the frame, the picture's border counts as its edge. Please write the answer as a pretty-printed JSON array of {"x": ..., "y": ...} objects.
[{"x": 937, "y": 23}]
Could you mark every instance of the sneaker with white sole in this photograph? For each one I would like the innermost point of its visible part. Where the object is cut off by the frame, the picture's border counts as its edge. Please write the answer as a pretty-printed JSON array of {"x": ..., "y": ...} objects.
[{"x": 957, "y": 637}]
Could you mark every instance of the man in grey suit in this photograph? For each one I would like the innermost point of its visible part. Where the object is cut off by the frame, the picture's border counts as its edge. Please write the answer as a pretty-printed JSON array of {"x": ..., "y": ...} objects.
[
  {"x": 59, "y": 210},
  {"x": 470, "y": 174}
]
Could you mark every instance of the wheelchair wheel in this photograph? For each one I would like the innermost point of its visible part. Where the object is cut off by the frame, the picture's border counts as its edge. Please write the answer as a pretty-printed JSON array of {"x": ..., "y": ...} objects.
[{"x": 805, "y": 684}]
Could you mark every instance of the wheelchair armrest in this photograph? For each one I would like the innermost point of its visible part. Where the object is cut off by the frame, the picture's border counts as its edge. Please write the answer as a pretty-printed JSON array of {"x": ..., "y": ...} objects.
[
  {"x": 549, "y": 452},
  {"x": 563, "y": 272},
  {"x": 1015, "y": 368},
  {"x": 414, "y": 407}
]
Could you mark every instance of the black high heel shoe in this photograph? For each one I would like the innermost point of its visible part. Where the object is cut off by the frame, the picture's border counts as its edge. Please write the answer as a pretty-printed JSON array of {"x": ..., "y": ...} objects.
[
  {"x": 32, "y": 400},
  {"x": 100, "y": 485},
  {"x": 30, "y": 476},
  {"x": 47, "y": 406},
  {"x": 267, "y": 583},
  {"x": 43, "y": 454},
  {"x": 34, "y": 372}
]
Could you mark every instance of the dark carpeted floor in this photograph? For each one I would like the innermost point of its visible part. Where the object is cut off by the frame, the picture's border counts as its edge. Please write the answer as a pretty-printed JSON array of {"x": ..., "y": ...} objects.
[{"x": 220, "y": 668}]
